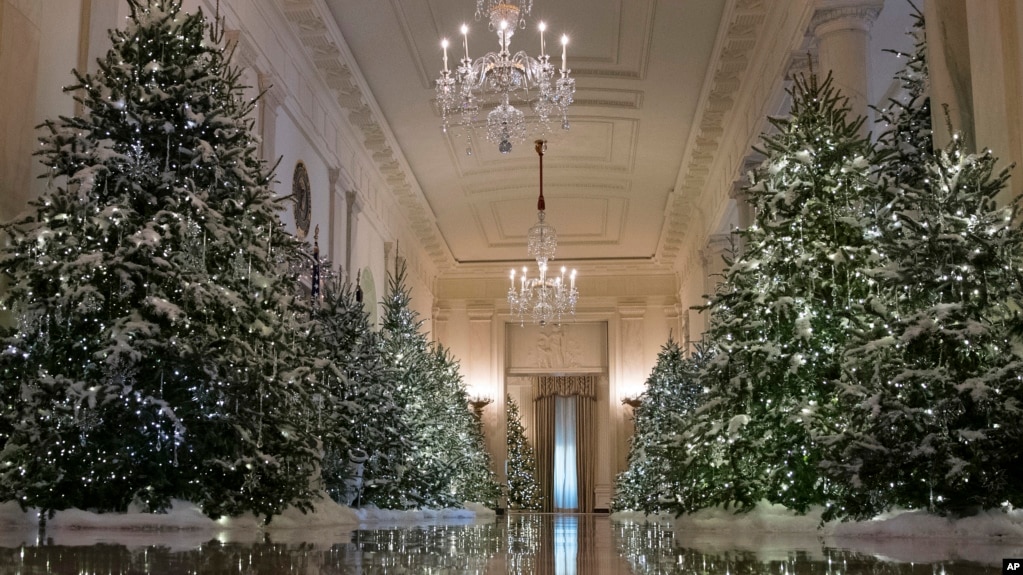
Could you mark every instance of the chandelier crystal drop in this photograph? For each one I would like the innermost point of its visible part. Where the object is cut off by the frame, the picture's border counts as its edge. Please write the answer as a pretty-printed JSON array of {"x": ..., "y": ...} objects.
[
  {"x": 544, "y": 299},
  {"x": 498, "y": 81}
]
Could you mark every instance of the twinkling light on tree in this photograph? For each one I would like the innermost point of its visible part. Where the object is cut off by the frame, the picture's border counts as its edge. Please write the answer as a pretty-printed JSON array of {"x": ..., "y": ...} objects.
[
  {"x": 523, "y": 489},
  {"x": 156, "y": 351}
]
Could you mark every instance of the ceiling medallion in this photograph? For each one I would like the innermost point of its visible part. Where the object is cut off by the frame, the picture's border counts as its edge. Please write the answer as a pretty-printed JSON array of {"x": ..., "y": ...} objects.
[
  {"x": 543, "y": 299},
  {"x": 498, "y": 80}
]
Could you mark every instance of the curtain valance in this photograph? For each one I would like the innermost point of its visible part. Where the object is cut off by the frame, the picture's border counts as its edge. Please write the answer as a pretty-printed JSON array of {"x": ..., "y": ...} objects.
[{"x": 552, "y": 385}]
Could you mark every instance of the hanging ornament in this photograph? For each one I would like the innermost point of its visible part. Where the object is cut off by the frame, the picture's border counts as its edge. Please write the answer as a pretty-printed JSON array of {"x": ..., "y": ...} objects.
[{"x": 138, "y": 165}]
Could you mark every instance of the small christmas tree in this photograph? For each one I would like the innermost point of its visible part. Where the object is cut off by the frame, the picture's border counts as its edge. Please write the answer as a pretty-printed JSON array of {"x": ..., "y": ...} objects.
[
  {"x": 157, "y": 349},
  {"x": 424, "y": 482},
  {"x": 673, "y": 392},
  {"x": 523, "y": 489},
  {"x": 780, "y": 319}
]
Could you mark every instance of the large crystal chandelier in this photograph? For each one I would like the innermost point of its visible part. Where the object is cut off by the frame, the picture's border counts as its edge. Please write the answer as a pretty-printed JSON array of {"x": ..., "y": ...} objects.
[
  {"x": 498, "y": 80},
  {"x": 545, "y": 299}
]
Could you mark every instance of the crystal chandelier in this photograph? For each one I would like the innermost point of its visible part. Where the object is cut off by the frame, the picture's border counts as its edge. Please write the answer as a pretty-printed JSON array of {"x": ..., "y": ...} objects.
[
  {"x": 545, "y": 299},
  {"x": 496, "y": 80}
]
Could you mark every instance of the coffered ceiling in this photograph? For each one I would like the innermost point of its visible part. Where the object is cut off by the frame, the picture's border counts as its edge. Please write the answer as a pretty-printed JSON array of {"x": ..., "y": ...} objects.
[{"x": 670, "y": 93}]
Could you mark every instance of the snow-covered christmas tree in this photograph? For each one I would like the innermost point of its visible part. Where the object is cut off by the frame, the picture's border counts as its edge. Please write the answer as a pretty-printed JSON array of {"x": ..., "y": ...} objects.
[
  {"x": 157, "y": 352},
  {"x": 444, "y": 462},
  {"x": 673, "y": 392},
  {"x": 523, "y": 489},
  {"x": 462, "y": 437},
  {"x": 364, "y": 437},
  {"x": 933, "y": 372},
  {"x": 780, "y": 319}
]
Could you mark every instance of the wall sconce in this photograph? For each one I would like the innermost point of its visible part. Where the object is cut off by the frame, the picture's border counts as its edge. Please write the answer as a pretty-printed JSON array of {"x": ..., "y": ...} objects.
[
  {"x": 478, "y": 402},
  {"x": 633, "y": 401}
]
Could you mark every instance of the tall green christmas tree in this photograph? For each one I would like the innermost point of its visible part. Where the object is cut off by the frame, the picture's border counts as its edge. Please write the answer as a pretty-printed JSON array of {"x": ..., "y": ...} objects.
[
  {"x": 424, "y": 482},
  {"x": 780, "y": 319},
  {"x": 933, "y": 372},
  {"x": 156, "y": 351},
  {"x": 460, "y": 435},
  {"x": 673, "y": 392},
  {"x": 523, "y": 489},
  {"x": 363, "y": 435},
  {"x": 447, "y": 463}
]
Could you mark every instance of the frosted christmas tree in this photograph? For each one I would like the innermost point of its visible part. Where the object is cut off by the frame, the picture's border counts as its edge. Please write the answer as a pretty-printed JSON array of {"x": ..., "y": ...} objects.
[
  {"x": 780, "y": 319},
  {"x": 673, "y": 392},
  {"x": 364, "y": 437},
  {"x": 933, "y": 373},
  {"x": 523, "y": 489},
  {"x": 446, "y": 464},
  {"x": 156, "y": 351}
]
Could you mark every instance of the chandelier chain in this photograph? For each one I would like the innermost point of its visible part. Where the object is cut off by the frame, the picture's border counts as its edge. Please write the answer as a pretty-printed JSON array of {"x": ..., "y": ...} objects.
[{"x": 544, "y": 299}]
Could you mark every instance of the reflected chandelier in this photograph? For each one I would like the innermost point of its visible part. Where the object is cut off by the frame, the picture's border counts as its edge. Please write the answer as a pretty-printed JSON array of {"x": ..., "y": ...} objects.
[
  {"x": 497, "y": 79},
  {"x": 544, "y": 299}
]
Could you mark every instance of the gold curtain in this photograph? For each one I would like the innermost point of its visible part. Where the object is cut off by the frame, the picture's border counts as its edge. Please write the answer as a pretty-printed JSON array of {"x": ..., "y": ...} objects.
[
  {"x": 545, "y": 389},
  {"x": 543, "y": 419}
]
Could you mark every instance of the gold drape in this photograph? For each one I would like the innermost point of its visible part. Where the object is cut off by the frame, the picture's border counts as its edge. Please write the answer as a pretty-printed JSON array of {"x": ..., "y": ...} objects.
[
  {"x": 545, "y": 389},
  {"x": 543, "y": 419}
]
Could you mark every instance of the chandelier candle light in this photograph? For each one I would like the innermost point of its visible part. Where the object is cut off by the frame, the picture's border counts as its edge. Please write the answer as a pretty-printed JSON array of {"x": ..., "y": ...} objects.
[
  {"x": 545, "y": 299},
  {"x": 492, "y": 80}
]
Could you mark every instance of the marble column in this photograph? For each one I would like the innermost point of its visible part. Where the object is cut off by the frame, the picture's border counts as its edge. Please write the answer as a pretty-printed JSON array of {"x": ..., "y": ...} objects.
[
  {"x": 352, "y": 208},
  {"x": 632, "y": 376},
  {"x": 712, "y": 258},
  {"x": 333, "y": 181},
  {"x": 270, "y": 103},
  {"x": 842, "y": 31}
]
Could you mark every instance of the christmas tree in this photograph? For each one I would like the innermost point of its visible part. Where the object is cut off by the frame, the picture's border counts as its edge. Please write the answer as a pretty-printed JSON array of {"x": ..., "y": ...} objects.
[
  {"x": 523, "y": 489},
  {"x": 156, "y": 351},
  {"x": 426, "y": 478},
  {"x": 780, "y": 319},
  {"x": 933, "y": 372},
  {"x": 673, "y": 392},
  {"x": 464, "y": 442},
  {"x": 359, "y": 424}
]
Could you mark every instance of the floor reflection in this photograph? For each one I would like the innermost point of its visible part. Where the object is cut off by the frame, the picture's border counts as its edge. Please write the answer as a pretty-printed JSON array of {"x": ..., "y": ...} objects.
[{"x": 516, "y": 544}]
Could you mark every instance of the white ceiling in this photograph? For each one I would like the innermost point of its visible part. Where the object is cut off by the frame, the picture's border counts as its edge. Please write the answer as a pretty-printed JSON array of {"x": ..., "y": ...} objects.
[{"x": 670, "y": 96}]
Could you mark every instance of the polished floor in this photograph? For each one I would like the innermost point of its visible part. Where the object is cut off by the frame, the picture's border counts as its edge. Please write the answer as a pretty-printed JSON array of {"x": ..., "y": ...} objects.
[{"x": 518, "y": 544}]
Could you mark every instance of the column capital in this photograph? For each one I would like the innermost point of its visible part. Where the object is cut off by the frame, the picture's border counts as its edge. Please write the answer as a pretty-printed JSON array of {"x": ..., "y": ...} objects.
[
  {"x": 353, "y": 201},
  {"x": 333, "y": 176},
  {"x": 480, "y": 312},
  {"x": 631, "y": 311},
  {"x": 272, "y": 95},
  {"x": 716, "y": 245},
  {"x": 831, "y": 15},
  {"x": 242, "y": 50}
]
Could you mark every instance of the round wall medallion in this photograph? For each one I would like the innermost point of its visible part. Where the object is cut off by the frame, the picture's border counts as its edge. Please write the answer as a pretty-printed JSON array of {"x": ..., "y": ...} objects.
[{"x": 303, "y": 199}]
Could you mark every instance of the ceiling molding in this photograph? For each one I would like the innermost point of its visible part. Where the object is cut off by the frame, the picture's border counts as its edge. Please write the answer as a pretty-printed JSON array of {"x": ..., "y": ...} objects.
[{"x": 325, "y": 46}]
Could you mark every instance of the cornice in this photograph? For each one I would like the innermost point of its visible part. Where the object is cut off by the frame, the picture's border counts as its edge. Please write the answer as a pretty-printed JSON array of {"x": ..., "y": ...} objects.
[
  {"x": 743, "y": 28},
  {"x": 330, "y": 56}
]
